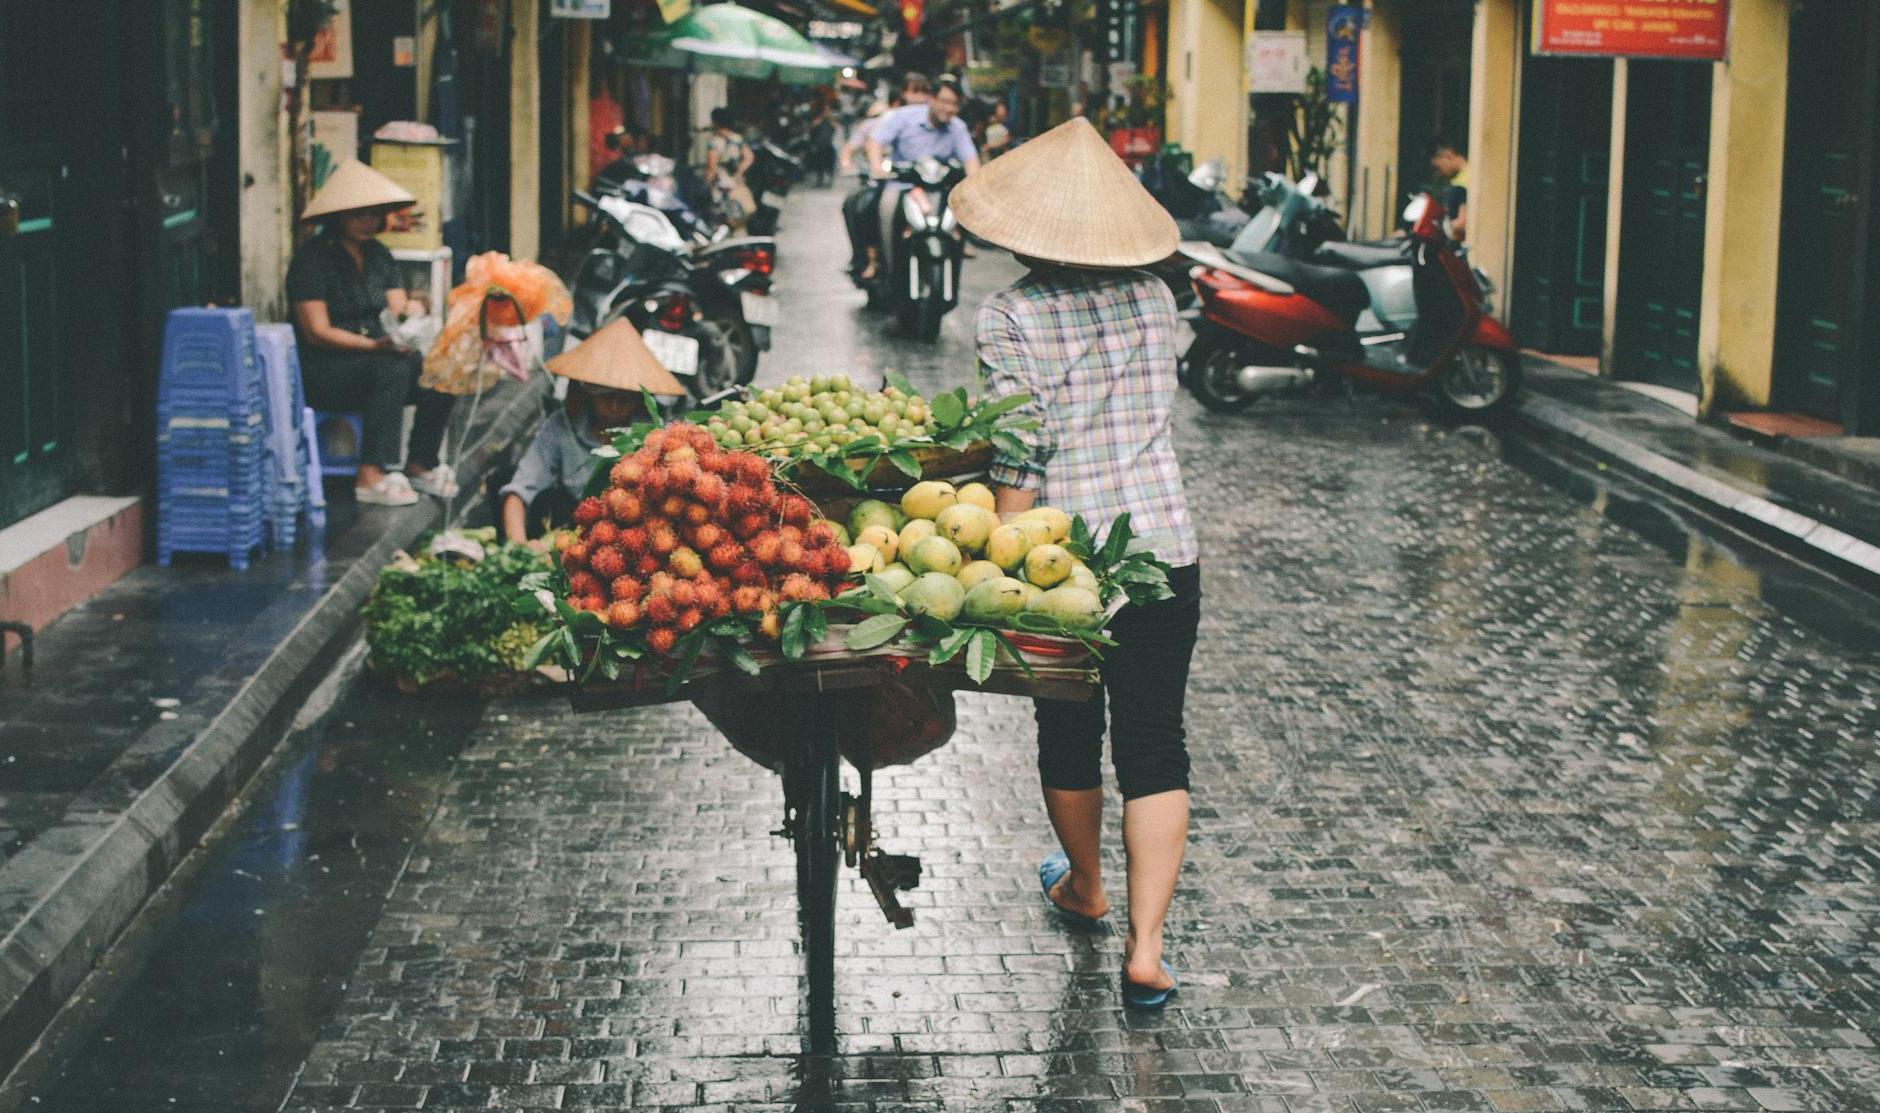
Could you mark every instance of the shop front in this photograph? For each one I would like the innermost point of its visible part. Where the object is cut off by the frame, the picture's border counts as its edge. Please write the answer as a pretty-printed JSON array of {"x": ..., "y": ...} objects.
[
  {"x": 1827, "y": 329},
  {"x": 117, "y": 202}
]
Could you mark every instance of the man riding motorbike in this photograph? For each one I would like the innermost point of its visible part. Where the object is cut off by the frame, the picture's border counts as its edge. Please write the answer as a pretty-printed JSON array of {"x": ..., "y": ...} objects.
[{"x": 930, "y": 130}]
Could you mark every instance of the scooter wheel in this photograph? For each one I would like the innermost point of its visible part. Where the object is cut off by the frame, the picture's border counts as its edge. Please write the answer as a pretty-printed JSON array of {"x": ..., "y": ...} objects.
[
  {"x": 1478, "y": 386},
  {"x": 1213, "y": 375}
]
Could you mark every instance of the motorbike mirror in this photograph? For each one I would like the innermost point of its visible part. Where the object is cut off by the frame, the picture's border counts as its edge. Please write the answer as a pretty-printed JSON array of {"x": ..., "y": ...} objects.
[{"x": 1209, "y": 175}]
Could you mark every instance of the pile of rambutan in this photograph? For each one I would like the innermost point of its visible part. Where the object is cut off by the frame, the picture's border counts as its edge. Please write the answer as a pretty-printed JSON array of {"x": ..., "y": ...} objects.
[{"x": 687, "y": 534}]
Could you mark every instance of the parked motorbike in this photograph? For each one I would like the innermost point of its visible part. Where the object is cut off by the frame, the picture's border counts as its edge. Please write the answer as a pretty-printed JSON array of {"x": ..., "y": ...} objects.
[
  {"x": 770, "y": 177},
  {"x": 691, "y": 315},
  {"x": 1407, "y": 317},
  {"x": 918, "y": 274}
]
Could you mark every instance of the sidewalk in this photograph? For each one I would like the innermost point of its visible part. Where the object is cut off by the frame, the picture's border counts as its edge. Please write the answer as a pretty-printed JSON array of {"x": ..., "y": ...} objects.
[
  {"x": 152, "y": 704},
  {"x": 1782, "y": 500}
]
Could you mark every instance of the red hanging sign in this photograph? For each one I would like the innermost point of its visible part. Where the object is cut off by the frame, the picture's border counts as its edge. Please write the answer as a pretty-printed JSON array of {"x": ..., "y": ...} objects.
[
  {"x": 1693, "y": 29},
  {"x": 911, "y": 12}
]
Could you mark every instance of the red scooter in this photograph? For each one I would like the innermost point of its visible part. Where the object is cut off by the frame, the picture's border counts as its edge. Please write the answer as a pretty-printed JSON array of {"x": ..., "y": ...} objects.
[{"x": 1408, "y": 317}]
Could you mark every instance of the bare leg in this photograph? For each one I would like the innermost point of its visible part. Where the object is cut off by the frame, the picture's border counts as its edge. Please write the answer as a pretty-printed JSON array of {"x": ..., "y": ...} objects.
[
  {"x": 1155, "y": 833},
  {"x": 1077, "y": 817}
]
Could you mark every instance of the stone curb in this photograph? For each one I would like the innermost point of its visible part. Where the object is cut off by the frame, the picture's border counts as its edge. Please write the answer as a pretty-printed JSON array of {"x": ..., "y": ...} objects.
[
  {"x": 1796, "y": 534},
  {"x": 68, "y": 893}
]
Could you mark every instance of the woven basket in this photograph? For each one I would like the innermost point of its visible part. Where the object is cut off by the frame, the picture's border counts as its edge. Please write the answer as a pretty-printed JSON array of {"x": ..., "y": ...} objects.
[{"x": 936, "y": 462}]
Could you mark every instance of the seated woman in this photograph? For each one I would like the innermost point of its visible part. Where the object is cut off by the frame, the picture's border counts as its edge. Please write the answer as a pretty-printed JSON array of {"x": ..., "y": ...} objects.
[
  {"x": 606, "y": 374},
  {"x": 339, "y": 282}
]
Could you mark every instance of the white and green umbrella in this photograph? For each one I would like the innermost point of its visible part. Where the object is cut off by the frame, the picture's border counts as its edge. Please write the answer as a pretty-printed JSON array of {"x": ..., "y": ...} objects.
[{"x": 735, "y": 41}]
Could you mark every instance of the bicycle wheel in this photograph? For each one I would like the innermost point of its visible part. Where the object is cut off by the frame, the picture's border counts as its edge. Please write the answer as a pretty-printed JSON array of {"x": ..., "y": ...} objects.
[{"x": 818, "y": 810}]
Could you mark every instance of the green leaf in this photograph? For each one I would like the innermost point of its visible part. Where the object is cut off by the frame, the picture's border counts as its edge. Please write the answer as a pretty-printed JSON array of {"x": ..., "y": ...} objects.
[
  {"x": 689, "y": 647},
  {"x": 740, "y": 657},
  {"x": 1011, "y": 445},
  {"x": 652, "y": 408},
  {"x": 610, "y": 666},
  {"x": 929, "y": 627},
  {"x": 993, "y": 410},
  {"x": 1032, "y": 622},
  {"x": 541, "y": 649},
  {"x": 879, "y": 630},
  {"x": 1117, "y": 541},
  {"x": 879, "y": 589},
  {"x": 951, "y": 645},
  {"x": 898, "y": 381},
  {"x": 959, "y": 439},
  {"x": 903, "y": 459},
  {"x": 949, "y": 409},
  {"x": 816, "y": 626},
  {"x": 982, "y": 653},
  {"x": 1080, "y": 534},
  {"x": 794, "y": 641},
  {"x": 862, "y": 446},
  {"x": 1018, "y": 656}
]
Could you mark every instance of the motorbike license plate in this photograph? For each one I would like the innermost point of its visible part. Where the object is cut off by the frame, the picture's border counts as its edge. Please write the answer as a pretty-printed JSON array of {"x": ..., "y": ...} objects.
[
  {"x": 760, "y": 310},
  {"x": 678, "y": 354}
]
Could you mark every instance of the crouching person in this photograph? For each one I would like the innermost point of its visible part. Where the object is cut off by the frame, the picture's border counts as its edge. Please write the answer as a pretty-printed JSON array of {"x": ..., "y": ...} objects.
[{"x": 606, "y": 374}]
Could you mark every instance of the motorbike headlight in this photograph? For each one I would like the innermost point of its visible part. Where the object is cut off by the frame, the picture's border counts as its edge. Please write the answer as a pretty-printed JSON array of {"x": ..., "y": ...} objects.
[{"x": 915, "y": 213}]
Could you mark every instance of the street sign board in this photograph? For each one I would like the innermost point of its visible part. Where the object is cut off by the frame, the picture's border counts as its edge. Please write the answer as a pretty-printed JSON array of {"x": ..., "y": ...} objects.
[
  {"x": 1697, "y": 30},
  {"x": 1277, "y": 62}
]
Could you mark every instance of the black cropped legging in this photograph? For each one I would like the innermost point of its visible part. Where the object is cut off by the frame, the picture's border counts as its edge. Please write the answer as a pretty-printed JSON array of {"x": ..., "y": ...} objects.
[
  {"x": 377, "y": 386},
  {"x": 1145, "y": 681}
]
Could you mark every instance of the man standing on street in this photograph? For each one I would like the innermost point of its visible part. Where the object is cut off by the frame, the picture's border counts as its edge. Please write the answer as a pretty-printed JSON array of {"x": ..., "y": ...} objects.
[
  {"x": 931, "y": 130},
  {"x": 1451, "y": 164}
]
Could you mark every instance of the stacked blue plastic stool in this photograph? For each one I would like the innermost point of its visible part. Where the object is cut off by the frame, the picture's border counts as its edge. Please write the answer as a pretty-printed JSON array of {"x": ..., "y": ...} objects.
[
  {"x": 212, "y": 432},
  {"x": 290, "y": 485}
]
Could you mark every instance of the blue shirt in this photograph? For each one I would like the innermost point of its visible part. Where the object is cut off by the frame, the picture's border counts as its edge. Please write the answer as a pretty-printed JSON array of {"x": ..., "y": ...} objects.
[
  {"x": 907, "y": 134},
  {"x": 561, "y": 455}
]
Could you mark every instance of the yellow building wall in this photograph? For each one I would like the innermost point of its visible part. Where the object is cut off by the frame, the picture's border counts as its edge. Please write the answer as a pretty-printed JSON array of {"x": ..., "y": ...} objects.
[
  {"x": 267, "y": 237},
  {"x": 1207, "y": 112},
  {"x": 525, "y": 141},
  {"x": 1748, "y": 114},
  {"x": 1615, "y": 216},
  {"x": 1494, "y": 129},
  {"x": 1377, "y": 195}
]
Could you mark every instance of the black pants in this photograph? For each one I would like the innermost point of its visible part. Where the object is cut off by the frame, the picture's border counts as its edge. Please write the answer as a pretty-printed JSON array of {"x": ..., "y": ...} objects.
[
  {"x": 858, "y": 212},
  {"x": 377, "y": 386},
  {"x": 1145, "y": 680}
]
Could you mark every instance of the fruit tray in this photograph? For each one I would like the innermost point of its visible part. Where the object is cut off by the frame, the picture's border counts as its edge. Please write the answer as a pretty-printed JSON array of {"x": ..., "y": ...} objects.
[
  {"x": 936, "y": 462},
  {"x": 1056, "y": 673}
]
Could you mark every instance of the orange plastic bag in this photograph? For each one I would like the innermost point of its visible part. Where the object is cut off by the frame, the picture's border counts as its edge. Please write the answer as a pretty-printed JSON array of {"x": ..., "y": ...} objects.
[{"x": 456, "y": 363}]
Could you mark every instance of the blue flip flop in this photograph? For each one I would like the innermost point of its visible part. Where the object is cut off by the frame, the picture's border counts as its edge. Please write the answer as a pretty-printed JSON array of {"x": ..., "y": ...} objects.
[
  {"x": 1148, "y": 998},
  {"x": 1050, "y": 872}
]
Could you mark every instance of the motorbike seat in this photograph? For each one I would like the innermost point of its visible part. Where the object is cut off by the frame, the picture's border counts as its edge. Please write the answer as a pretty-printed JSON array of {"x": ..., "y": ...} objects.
[
  {"x": 1205, "y": 231},
  {"x": 1362, "y": 256},
  {"x": 735, "y": 243},
  {"x": 1339, "y": 290}
]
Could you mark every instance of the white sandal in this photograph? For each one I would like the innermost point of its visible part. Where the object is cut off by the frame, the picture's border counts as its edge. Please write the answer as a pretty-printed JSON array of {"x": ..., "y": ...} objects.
[
  {"x": 440, "y": 481},
  {"x": 393, "y": 490}
]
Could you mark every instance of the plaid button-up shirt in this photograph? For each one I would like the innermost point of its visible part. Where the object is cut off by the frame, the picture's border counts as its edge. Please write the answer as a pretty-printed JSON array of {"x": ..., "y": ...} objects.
[{"x": 1096, "y": 351}]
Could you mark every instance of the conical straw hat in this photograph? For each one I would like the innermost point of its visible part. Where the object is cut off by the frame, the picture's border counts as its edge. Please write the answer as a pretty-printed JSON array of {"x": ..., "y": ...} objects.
[
  {"x": 616, "y": 358},
  {"x": 356, "y": 186},
  {"x": 1065, "y": 197}
]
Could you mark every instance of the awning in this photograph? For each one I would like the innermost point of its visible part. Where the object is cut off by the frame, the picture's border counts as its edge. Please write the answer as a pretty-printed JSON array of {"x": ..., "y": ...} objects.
[{"x": 735, "y": 41}]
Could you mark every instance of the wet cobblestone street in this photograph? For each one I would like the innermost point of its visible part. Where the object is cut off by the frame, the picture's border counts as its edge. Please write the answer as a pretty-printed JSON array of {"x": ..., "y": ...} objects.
[{"x": 1499, "y": 805}]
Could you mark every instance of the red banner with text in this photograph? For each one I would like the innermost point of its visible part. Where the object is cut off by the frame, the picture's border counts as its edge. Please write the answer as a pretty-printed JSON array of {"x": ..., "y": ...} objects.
[{"x": 1693, "y": 29}]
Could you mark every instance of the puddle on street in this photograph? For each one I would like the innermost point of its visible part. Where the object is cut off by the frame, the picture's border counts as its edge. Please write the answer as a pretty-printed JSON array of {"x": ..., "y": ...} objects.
[{"x": 215, "y": 996}]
